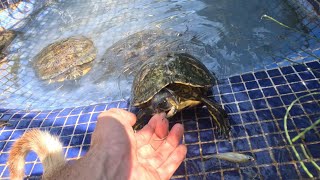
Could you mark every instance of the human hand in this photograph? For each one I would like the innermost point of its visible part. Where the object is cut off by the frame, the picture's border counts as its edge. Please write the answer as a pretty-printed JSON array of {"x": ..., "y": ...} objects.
[{"x": 151, "y": 153}]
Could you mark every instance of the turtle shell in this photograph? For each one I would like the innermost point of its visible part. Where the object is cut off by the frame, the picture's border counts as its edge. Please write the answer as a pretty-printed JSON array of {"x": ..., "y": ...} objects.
[
  {"x": 65, "y": 59},
  {"x": 160, "y": 71}
]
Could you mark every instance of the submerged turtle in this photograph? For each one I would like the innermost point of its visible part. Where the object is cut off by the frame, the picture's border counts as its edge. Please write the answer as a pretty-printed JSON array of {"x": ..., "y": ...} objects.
[
  {"x": 172, "y": 82},
  {"x": 6, "y": 37},
  {"x": 66, "y": 59}
]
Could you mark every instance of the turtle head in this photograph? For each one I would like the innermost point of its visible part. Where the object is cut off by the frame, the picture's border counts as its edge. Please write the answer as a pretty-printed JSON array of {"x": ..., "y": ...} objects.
[{"x": 163, "y": 101}]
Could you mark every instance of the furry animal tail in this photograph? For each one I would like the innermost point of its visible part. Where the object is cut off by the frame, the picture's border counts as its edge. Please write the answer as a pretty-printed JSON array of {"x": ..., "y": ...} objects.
[{"x": 46, "y": 146}]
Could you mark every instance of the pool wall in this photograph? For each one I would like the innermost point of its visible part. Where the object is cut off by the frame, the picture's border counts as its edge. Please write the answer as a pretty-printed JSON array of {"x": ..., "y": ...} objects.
[{"x": 256, "y": 103}]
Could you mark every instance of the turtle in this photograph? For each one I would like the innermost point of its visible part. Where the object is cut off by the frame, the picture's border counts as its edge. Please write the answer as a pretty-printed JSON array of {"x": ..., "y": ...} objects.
[
  {"x": 172, "y": 82},
  {"x": 67, "y": 59},
  {"x": 6, "y": 37}
]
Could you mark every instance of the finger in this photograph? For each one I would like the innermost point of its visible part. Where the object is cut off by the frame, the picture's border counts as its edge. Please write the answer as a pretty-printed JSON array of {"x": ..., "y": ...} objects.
[
  {"x": 167, "y": 169},
  {"x": 161, "y": 132},
  {"x": 126, "y": 118},
  {"x": 146, "y": 133},
  {"x": 167, "y": 146}
]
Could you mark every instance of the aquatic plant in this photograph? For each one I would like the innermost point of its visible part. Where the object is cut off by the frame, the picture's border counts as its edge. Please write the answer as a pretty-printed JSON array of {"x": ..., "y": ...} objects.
[{"x": 291, "y": 141}]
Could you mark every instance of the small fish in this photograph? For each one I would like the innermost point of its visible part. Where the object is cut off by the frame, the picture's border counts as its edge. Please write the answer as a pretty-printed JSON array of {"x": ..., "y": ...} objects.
[{"x": 232, "y": 157}]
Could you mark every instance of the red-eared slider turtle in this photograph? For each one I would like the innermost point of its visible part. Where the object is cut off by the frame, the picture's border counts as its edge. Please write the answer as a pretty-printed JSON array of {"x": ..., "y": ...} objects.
[
  {"x": 172, "y": 82},
  {"x": 66, "y": 59},
  {"x": 6, "y": 37}
]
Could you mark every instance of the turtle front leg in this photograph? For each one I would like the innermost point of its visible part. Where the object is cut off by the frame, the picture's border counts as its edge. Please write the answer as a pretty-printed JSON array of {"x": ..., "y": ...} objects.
[{"x": 174, "y": 107}]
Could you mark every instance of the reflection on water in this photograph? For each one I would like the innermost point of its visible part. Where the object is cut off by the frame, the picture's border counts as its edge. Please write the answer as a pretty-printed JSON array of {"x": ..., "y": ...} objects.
[{"x": 226, "y": 35}]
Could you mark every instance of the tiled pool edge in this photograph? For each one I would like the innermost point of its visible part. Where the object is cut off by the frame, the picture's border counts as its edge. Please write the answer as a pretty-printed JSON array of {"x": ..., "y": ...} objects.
[{"x": 241, "y": 95}]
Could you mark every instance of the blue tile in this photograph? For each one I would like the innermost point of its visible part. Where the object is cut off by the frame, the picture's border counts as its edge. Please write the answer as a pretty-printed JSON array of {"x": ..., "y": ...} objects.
[
  {"x": 247, "y": 77},
  {"x": 71, "y": 120},
  {"x": 269, "y": 172},
  {"x": 193, "y": 151},
  {"x": 314, "y": 150},
  {"x": 253, "y": 129},
  {"x": 6, "y": 172},
  {"x": 65, "y": 140},
  {"x": 227, "y": 165},
  {"x": 194, "y": 166},
  {"x": 192, "y": 125},
  {"x": 88, "y": 109},
  {"x": 76, "y": 111},
  {"x": 41, "y": 116},
  {"x": 112, "y": 105},
  {"x": 263, "y": 157},
  {"x": 29, "y": 116},
  {"x": 259, "y": 104},
  {"x": 290, "y": 124},
  {"x": 281, "y": 155},
  {"x": 252, "y": 85},
  {"x": 235, "y": 118},
  {"x": 313, "y": 84},
  {"x": 301, "y": 122},
  {"x": 255, "y": 94},
  {"x": 278, "y": 112},
  {"x": 269, "y": 92},
  {"x": 238, "y": 131},
  {"x": 245, "y": 106},
  {"x": 292, "y": 78},
  {"x": 191, "y": 137},
  {"x": 227, "y": 98},
  {"x": 17, "y": 134},
  {"x": 231, "y": 175},
  {"x": 231, "y": 108},
  {"x": 250, "y": 173},
  {"x": 67, "y": 130},
  {"x": 311, "y": 107},
  {"x": 242, "y": 96},
  {"x": 238, "y": 87},
  {"x": 288, "y": 174},
  {"x": 288, "y": 99},
  {"x": 5, "y": 135},
  {"x": 124, "y": 104},
  {"x": 269, "y": 127},
  {"x": 16, "y": 116},
  {"x": 8, "y": 146},
  {"x": 311, "y": 168},
  {"x": 274, "y": 102},
  {"x": 274, "y": 72},
  {"x": 208, "y": 149},
  {"x": 204, "y": 123},
  {"x": 52, "y": 115},
  {"x": 91, "y": 127},
  {"x": 4, "y": 158},
  {"x": 314, "y": 65},
  {"x": 299, "y": 68},
  {"x": 73, "y": 152},
  {"x": 76, "y": 140},
  {"x": 84, "y": 150},
  {"x": 2, "y": 145},
  {"x": 6, "y": 117},
  {"x": 241, "y": 145},
  {"x": 59, "y": 121},
  {"x": 87, "y": 139},
  {"x": 37, "y": 170},
  {"x": 180, "y": 171},
  {"x": 100, "y": 108},
  {"x": 279, "y": 80},
  {"x": 261, "y": 75},
  {"x": 284, "y": 89},
  {"x": 296, "y": 87},
  {"x": 94, "y": 117},
  {"x": 287, "y": 70},
  {"x": 225, "y": 89},
  {"x": 84, "y": 118},
  {"x": 248, "y": 117},
  {"x": 258, "y": 142},
  {"x": 23, "y": 124},
  {"x": 81, "y": 129},
  {"x": 264, "y": 115},
  {"x": 235, "y": 79},
  {"x": 296, "y": 110},
  {"x": 56, "y": 130},
  {"x": 214, "y": 176},
  {"x": 65, "y": 112},
  {"x": 32, "y": 156},
  {"x": 306, "y": 75},
  {"x": 206, "y": 135},
  {"x": 265, "y": 82},
  {"x": 311, "y": 137},
  {"x": 28, "y": 168},
  {"x": 47, "y": 123},
  {"x": 224, "y": 146},
  {"x": 275, "y": 140}
]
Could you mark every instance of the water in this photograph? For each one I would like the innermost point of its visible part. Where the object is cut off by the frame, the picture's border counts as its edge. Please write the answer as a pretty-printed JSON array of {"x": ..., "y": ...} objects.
[{"x": 228, "y": 36}]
